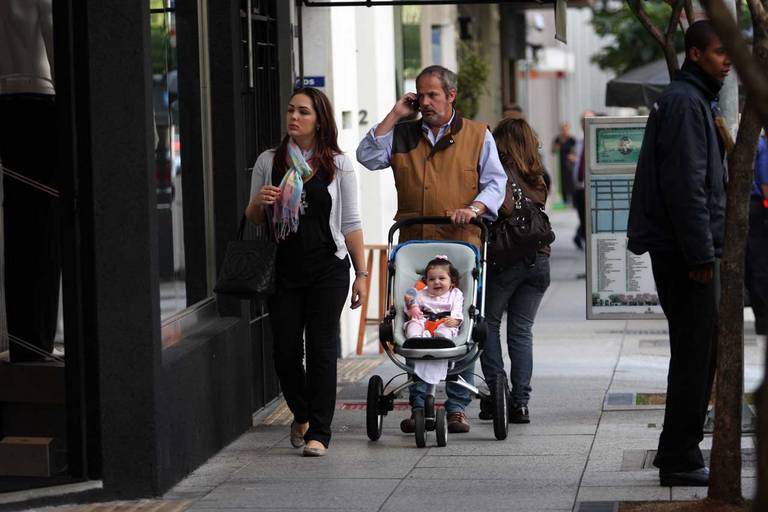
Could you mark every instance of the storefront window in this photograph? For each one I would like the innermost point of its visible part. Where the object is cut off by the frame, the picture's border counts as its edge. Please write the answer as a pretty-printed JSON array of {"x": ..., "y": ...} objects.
[{"x": 167, "y": 162}]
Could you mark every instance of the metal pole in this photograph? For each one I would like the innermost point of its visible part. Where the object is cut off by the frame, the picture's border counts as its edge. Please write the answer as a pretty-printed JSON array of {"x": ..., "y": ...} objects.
[{"x": 301, "y": 44}]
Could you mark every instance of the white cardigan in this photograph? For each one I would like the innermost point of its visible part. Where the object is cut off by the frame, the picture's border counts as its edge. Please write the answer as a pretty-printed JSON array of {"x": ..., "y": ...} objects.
[{"x": 345, "y": 216}]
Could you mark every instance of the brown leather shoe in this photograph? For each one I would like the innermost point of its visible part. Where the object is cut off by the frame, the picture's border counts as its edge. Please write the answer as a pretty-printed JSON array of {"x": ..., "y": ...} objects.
[
  {"x": 408, "y": 426},
  {"x": 457, "y": 423}
]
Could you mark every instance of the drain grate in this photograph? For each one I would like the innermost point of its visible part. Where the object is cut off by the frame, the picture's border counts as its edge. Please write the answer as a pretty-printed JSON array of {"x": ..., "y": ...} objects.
[
  {"x": 660, "y": 342},
  {"x": 637, "y": 460},
  {"x": 597, "y": 506},
  {"x": 617, "y": 399}
]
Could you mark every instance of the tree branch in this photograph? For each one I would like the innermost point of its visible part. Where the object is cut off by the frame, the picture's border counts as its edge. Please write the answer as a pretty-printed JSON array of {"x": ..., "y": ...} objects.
[
  {"x": 645, "y": 20},
  {"x": 674, "y": 18},
  {"x": 689, "y": 15}
]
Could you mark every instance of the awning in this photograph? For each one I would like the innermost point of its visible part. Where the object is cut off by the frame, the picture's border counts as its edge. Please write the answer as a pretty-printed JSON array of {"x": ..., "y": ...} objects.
[{"x": 639, "y": 86}]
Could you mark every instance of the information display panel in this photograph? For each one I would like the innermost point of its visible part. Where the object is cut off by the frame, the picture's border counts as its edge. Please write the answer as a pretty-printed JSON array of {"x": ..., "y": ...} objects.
[{"x": 620, "y": 284}]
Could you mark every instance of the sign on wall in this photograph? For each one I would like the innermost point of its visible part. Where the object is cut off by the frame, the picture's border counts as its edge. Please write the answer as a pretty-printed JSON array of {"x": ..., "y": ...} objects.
[{"x": 620, "y": 284}]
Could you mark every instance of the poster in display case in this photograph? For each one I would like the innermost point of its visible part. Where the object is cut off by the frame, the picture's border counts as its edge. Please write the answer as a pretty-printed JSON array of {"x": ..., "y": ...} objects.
[{"x": 620, "y": 283}]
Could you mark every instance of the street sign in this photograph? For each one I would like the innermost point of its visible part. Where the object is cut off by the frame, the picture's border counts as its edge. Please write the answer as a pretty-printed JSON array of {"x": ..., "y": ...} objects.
[
  {"x": 620, "y": 284},
  {"x": 312, "y": 81}
]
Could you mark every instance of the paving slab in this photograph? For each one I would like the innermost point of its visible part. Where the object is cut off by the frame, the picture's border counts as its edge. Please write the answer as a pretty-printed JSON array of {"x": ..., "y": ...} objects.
[
  {"x": 485, "y": 495},
  {"x": 287, "y": 493},
  {"x": 624, "y": 493}
]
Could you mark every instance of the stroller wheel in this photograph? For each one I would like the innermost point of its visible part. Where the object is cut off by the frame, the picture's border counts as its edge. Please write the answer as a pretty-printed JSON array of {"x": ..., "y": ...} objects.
[
  {"x": 421, "y": 434},
  {"x": 441, "y": 427},
  {"x": 500, "y": 396},
  {"x": 429, "y": 412},
  {"x": 374, "y": 421}
]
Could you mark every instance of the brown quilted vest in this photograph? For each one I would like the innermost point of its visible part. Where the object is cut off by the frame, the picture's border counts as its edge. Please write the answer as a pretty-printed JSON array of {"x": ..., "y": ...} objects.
[{"x": 436, "y": 180}]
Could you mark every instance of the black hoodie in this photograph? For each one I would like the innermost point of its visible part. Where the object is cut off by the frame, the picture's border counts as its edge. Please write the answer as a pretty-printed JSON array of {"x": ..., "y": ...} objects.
[{"x": 678, "y": 198}]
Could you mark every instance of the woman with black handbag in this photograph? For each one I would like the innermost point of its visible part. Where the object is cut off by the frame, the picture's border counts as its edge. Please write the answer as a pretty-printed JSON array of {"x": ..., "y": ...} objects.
[
  {"x": 304, "y": 192},
  {"x": 518, "y": 257}
]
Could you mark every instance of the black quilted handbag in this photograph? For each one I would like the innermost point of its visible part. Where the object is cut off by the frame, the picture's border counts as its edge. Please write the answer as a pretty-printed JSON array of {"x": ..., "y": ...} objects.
[{"x": 248, "y": 269}]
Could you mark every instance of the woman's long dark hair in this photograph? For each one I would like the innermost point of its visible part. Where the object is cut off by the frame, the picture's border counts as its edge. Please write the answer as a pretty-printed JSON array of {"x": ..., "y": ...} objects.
[
  {"x": 518, "y": 147},
  {"x": 326, "y": 138}
]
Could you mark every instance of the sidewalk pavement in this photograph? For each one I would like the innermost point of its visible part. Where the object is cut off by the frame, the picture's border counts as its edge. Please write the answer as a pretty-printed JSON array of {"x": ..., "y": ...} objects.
[{"x": 587, "y": 445}]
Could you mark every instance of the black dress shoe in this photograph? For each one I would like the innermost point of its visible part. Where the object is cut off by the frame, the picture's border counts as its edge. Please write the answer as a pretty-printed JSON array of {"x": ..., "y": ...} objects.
[
  {"x": 519, "y": 414},
  {"x": 693, "y": 478},
  {"x": 408, "y": 426},
  {"x": 486, "y": 409}
]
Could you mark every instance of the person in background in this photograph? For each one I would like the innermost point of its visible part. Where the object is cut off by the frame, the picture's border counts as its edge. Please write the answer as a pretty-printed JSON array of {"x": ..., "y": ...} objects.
[
  {"x": 756, "y": 278},
  {"x": 561, "y": 149},
  {"x": 513, "y": 111},
  {"x": 578, "y": 164},
  {"x": 305, "y": 193}
]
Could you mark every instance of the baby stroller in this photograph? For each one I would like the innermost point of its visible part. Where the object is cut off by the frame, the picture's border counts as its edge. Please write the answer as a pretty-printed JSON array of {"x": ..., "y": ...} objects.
[{"x": 405, "y": 265}]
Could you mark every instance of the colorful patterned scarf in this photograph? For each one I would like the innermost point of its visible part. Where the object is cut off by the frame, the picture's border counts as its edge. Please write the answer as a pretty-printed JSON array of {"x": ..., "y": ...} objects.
[{"x": 286, "y": 212}]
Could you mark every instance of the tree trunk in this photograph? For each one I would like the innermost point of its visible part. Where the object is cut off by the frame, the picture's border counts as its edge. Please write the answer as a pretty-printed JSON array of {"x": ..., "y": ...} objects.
[
  {"x": 670, "y": 56},
  {"x": 725, "y": 481},
  {"x": 752, "y": 71}
]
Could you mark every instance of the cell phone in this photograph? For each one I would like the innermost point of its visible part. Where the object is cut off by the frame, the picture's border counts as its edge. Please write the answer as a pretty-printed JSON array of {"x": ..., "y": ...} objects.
[{"x": 414, "y": 104}]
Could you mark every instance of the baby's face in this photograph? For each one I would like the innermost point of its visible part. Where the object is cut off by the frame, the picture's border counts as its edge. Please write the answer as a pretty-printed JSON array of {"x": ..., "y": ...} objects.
[{"x": 438, "y": 281}]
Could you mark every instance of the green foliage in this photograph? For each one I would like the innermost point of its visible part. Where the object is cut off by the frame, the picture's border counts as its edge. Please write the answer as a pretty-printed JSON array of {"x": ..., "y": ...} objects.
[
  {"x": 411, "y": 50},
  {"x": 632, "y": 45},
  {"x": 473, "y": 73}
]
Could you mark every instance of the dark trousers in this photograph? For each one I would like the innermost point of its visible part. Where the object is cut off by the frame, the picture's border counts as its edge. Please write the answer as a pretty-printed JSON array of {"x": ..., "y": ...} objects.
[
  {"x": 579, "y": 204},
  {"x": 691, "y": 310},
  {"x": 311, "y": 394},
  {"x": 28, "y": 146},
  {"x": 756, "y": 278}
]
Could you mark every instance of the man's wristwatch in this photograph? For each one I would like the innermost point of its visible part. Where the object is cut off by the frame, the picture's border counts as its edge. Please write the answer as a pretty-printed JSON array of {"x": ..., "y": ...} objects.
[
  {"x": 475, "y": 210},
  {"x": 361, "y": 273}
]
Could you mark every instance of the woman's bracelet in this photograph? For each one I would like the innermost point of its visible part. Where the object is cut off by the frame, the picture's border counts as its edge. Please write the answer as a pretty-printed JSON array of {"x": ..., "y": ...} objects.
[{"x": 361, "y": 273}]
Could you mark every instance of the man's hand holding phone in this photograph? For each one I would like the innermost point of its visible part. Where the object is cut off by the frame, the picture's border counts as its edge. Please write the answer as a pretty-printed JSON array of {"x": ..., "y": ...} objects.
[
  {"x": 407, "y": 106},
  {"x": 403, "y": 110}
]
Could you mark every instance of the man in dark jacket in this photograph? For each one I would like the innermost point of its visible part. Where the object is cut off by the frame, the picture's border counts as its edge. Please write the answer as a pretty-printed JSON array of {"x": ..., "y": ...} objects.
[{"x": 677, "y": 214}]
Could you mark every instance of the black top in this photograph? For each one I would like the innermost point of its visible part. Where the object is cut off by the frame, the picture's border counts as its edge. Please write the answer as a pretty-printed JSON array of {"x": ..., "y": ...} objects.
[
  {"x": 678, "y": 199},
  {"x": 564, "y": 149},
  {"x": 307, "y": 257}
]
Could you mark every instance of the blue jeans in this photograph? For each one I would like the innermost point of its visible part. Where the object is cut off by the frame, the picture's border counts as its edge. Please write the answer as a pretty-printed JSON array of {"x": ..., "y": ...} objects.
[
  {"x": 516, "y": 290},
  {"x": 458, "y": 396}
]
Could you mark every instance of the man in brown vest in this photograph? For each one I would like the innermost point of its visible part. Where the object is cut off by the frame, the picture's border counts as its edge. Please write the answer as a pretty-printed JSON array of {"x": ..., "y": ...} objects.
[{"x": 444, "y": 165}]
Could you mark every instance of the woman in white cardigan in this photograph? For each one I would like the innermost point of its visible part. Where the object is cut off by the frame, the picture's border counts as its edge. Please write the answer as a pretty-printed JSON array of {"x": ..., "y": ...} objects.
[{"x": 304, "y": 194}]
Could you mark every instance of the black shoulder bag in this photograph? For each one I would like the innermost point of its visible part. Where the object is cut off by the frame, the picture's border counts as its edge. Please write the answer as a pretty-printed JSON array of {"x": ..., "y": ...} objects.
[
  {"x": 522, "y": 233},
  {"x": 248, "y": 268}
]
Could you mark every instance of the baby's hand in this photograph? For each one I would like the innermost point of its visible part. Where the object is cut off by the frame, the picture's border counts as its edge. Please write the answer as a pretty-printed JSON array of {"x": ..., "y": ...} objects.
[
  {"x": 452, "y": 322},
  {"x": 414, "y": 311}
]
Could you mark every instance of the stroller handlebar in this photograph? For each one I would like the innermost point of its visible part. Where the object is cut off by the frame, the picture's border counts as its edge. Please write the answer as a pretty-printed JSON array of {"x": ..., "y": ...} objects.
[{"x": 435, "y": 220}]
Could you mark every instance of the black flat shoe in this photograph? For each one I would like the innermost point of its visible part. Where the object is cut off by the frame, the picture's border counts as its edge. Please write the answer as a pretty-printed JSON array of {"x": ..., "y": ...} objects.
[
  {"x": 694, "y": 478},
  {"x": 519, "y": 414}
]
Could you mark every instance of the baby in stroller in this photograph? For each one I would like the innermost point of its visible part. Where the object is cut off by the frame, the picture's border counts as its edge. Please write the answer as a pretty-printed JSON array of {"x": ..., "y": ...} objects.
[
  {"x": 436, "y": 332},
  {"x": 437, "y": 309}
]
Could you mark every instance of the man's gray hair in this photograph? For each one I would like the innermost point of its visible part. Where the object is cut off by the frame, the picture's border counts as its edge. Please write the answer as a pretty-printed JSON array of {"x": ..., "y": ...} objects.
[{"x": 447, "y": 77}]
